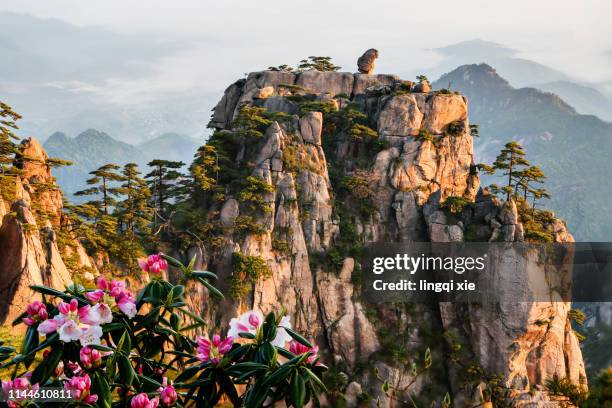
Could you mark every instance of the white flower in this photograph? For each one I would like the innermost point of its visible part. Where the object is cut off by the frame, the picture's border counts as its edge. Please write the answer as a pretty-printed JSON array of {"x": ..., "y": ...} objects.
[
  {"x": 90, "y": 335},
  {"x": 128, "y": 309},
  {"x": 69, "y": 331},
  {"x": 101, "y": 313},
  {"x": 281, "y": 334},
  {"x": 247, "y": 323}
]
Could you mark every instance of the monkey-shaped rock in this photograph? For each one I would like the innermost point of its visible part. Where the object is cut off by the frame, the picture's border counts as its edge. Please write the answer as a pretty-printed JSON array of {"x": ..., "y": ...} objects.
[{"x": 365, "y": 63}]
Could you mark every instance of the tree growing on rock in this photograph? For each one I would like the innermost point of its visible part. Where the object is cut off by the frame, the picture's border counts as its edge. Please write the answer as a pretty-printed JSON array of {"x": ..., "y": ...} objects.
[
  {"x": 163, "y": 183},
  {"x": 104, "y": 185},
  {"x": 318, "y": 63},
  {"x": 512, "y": 162}
]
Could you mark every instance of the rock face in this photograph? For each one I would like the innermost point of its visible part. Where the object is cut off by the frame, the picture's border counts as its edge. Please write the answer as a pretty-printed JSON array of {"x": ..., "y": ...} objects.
[
  {"x": 29, "y": 247},
  {"x": 365, "y": 63},
  {"x": 419, "y": 163}
]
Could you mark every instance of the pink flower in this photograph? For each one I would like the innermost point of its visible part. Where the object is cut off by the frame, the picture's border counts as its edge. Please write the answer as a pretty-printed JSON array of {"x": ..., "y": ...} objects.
[
  {"x": 37, "y": 312},
  {"x": 168, "y": 395},
  {"x": 48, "y": 326},
  {"x": 142, "y": 401},
  {"x": 80, "y": 389},
  {"x": 95, "y": 296},
  {"x": 20, "y": 384},
  {"x": 111, "y": 296},
  {"x": 154, "y": 264},
  {"x": 298, "y": 349},
  {"x": 74, "y": 324},
  {"x": 214, "y": 350},
  {"x": 90, "y": 358}
]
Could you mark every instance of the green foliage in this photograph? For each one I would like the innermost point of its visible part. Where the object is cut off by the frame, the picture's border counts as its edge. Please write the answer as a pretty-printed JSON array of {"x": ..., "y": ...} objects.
[
  {"x": 456, "y": 204},
  {"x": 317, "y": 63},
  {"x": 577, "y": 393},
  {"x": 252, "y": 195},
  {"x": 282, "y": 68},
  {"x": 250, "y": 123},
  {"x": 317, "y": 106},
  {"x": 103, "y": 187},
  {"x": 140, "y": 351},
  {"x": 247, "y": 271},
  {"x": 245, "y": 225},
  {"x": 455, "y": 128},
  {"x": 600, "y": 392},
  {"x": 8, "y": 147},
  {"x": 357, "y": 188}
]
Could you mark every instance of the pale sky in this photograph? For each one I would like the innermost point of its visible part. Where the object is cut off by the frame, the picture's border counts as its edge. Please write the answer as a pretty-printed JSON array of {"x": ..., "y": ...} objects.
[
  {"x": 209, "y": 44},
  {"x": 574, "y": 36}
]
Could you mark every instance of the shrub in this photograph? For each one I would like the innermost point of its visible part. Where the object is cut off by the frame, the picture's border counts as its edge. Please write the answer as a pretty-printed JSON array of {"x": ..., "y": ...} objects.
[
  {"x": 118, "y": 349},
  {"x": 576, "y": 393},
  {"x": 247, "y": 271},
  {"x": 252, "y": 193}
]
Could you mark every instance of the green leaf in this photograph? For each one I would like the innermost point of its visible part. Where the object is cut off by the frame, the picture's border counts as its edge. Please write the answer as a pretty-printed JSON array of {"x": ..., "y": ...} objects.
[
  {"x": 173, "y": 261},
  {"x": 427, "y": 359},
  {"x": 314, "y": 378},
  {"x": 100, "y": 387},
  {"x": 298, "y": 337},
  {"x": 50, "y": 291},
  {"x": 126, "y": 371},
  {"x": 45, "y": 369},
  {"x": 246, "y": 335},
  {"x": 204, "y": 275},
  {"x": 298, "y": 390},
  {"x": 192, "y": 262},
  {"x": 188, "y": 373},
  {"x": 277, "y": 376},
  {"x": 385, "y": 387},
  {"x": 212, "y": 289}
]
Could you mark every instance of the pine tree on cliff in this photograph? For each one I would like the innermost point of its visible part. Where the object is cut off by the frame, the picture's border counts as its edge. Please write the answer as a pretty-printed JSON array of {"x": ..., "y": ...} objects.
[
  {"x": 164, "y": 183},
  {"x": 104, "y": 184},
  {"x": 8, "y": 147},
  {"x": 511, "y": 160},
  {"x": 134, "y": 212}
]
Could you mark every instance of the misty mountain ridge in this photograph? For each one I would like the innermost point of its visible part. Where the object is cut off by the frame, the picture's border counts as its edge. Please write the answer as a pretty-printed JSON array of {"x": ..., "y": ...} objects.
[
  {"x": 586, "y": 98},
  {"x": 92, "y": 149},
  {"x": 572, "y": 149}
]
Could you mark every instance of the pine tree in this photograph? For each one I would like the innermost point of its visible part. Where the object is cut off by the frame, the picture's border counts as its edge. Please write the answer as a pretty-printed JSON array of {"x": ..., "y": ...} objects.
[
  {"x": 8, "y": 147},
  {"x": 163, "y": 181},
  {"x": 104, "y": 182},
  {"x": 317, "y": 63},
  {"x": 512, "y": 161},
  {"x": 133, "y": 212}
]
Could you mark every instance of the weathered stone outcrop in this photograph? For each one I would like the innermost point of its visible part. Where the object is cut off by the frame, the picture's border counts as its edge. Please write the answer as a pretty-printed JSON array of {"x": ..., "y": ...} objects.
[
  {"x": 365, "y": 63},
  {"x": 427, "y": 157},
  {"x": 29, "y": 247}
]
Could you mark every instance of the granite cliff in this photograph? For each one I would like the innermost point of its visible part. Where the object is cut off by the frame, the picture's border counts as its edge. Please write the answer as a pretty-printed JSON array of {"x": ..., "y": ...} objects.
[
  {"x": 35, "y": 245},
  {"x": 331, "y": 188}
]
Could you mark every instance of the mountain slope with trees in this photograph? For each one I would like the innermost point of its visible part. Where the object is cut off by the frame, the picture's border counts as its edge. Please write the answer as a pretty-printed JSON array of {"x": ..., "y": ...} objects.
[{"x": 572, "y": 149}]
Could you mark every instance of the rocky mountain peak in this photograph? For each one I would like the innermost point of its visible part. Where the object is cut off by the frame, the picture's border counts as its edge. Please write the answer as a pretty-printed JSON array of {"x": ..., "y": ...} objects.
[{"x": 330, "y": 191}]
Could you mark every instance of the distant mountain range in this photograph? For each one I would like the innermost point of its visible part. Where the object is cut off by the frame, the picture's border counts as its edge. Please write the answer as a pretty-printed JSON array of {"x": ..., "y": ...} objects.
[
  {"x": 586, "y": 98},
  {"x": 92, "y": 149},
  {"x": 573, "y": 149}
]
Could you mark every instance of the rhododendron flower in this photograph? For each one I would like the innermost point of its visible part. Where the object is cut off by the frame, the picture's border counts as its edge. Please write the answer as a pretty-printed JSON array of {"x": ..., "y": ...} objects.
[
  {"x": 109, "y": 296},
  {"x": 37, "y": 312},
  {"x": 247, "y": 323},
  {"x": 142, "y": 401},
  {"x": 214, "y": 350},
  {"x": 80, "y": 389},
  {"x": 90, "y": 357},
  {"x": 154, "y": 264},
  {"x": 298, "y": 349},
  {"x": 18, "y": 384},
  {"x": 74, "y": 324},
  {"x": 167, "y": 394},
  {"x": 250, "y": 321}
]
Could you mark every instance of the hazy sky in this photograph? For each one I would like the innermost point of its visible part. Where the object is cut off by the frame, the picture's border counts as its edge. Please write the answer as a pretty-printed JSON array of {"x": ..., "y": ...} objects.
[
  {"x": 574, "y": 36},
  {"x": 209, "y": 44}
]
